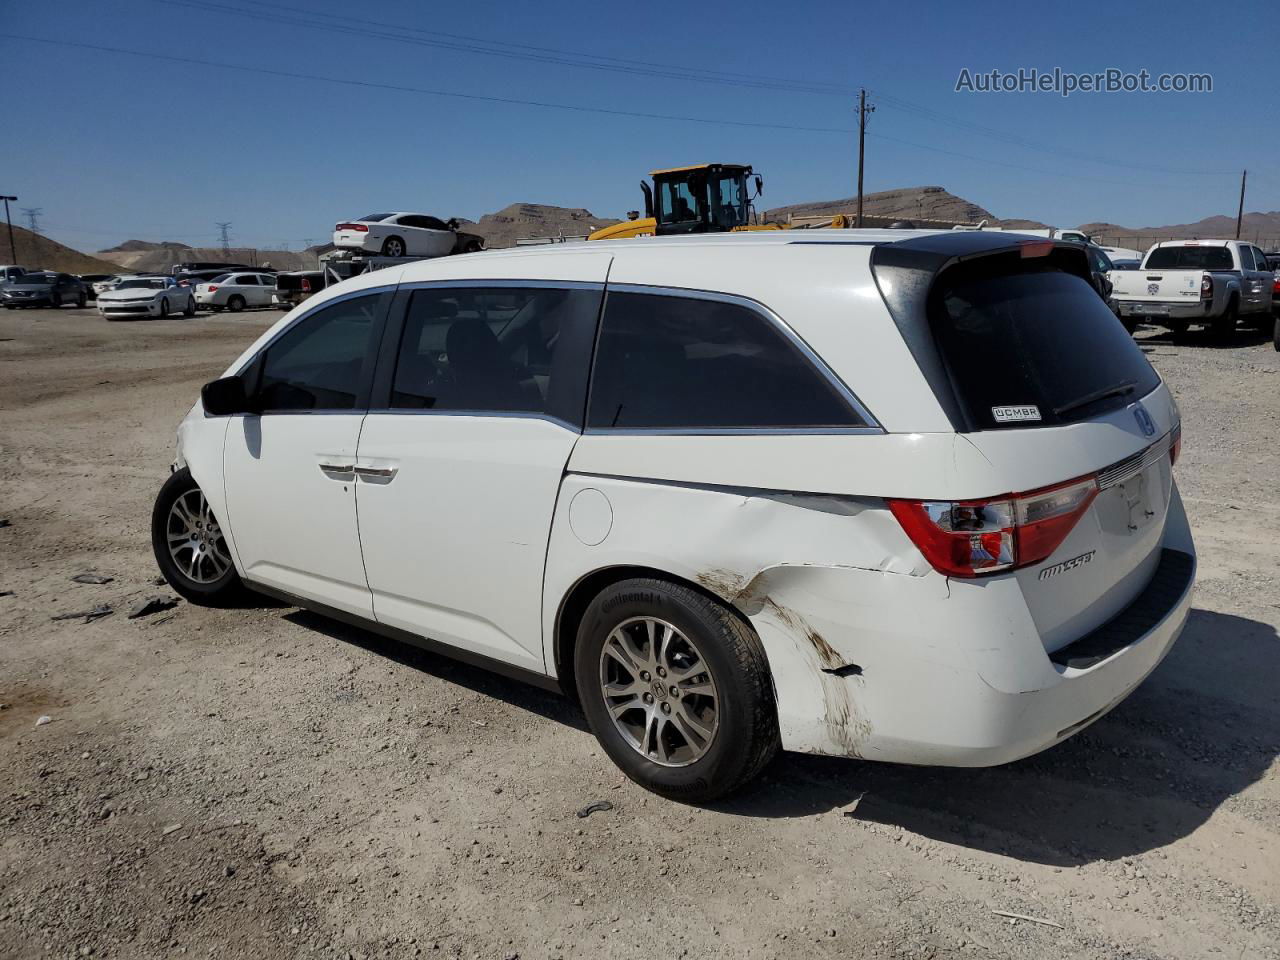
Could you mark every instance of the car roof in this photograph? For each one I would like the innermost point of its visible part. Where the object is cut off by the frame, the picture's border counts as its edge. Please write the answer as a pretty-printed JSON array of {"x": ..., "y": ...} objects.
[{"x": 1197, "y": 243}]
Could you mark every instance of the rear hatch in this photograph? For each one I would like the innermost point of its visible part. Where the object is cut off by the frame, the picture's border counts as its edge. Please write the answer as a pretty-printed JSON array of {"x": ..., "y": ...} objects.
[{"x": 1037, "y": 374}]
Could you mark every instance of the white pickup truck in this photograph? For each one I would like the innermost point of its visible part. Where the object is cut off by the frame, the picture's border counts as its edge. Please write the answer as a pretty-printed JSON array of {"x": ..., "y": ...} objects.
[{"x": 1181, "y": 282}]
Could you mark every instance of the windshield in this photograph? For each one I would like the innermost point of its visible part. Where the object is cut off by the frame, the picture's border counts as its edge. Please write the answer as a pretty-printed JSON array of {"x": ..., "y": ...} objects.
[
  {"x": 729, "y": 201},
  {"x": 145, "y": 283},
  {"x": 374, "y": 218},
  {"x": 1032, "y": 348},
  {"x": 1189, "y": 258},
  {"x": 44, "y": 278}
]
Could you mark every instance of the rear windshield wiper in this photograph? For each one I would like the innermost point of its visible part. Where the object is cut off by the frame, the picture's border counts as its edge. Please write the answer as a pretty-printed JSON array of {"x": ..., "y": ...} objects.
[{"x": 1119, "y": 390}]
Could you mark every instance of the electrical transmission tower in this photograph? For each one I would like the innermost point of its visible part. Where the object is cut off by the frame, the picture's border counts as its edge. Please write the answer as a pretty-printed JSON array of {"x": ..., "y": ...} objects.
[
  {"x": 223, "y": 229},
  {"x": 33, "y": 221}
]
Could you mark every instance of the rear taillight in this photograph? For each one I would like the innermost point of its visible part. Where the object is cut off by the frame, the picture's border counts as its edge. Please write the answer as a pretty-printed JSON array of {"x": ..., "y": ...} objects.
[
  {"x": 357, "y": 227},
  {"x": 1206, "y": 288},
  {"x": 972, "y": 538},
  {"x": 213, "y": 287},
  {"x": 306, "y": 285}
]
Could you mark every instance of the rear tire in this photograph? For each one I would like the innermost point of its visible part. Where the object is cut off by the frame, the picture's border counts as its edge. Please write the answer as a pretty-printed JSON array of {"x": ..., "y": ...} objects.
[
  {"x": 55, "y": 300},
  {"x": 81, "y": 301},
  {"x": 1275, "y": 334},
  {"x": 1224, "y": 327},
  {"x": 692, "y": 717},
  {"x": 189, "y": 547},
  {"x": 1130, "y": 324},
  {"x": 1178, "y": 329},
  {"x": 393, "y": 247},
  {"x": 235, "y": 303},
  {"x": 190, "y": 309}
]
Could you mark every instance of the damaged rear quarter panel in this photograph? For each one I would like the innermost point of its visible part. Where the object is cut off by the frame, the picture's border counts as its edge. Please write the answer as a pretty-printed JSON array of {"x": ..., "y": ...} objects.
[{"x": 810, "y": 572}]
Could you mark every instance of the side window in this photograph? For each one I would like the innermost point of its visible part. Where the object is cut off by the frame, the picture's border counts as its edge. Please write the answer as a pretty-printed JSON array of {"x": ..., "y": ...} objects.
[
  {"x": 683, "y": 363},
  {"x": 1260, "y": 259},
  {"x": 496, "y": 349},
  {"x": 245, "y": 280},
  {"x": 321, "y": 362},
  {"x": 432, "y": 223},
  {"x": 1246, "y": 258},
  {"x": 412, "y": 220}
]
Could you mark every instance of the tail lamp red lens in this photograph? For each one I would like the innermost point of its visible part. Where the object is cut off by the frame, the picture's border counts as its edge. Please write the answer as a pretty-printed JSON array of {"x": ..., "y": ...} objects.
[
  {"x": 306, "y": 285},
  {"x": 357, "y": 227},
  {"x": 1206, "y": 288},
  {"x": 973, "y": 538},
  {"x": 213, "y": 287}
]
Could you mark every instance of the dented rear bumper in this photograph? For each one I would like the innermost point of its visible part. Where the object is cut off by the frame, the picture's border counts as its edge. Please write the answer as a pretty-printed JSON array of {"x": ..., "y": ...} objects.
[{"x": 959, "y": 675}]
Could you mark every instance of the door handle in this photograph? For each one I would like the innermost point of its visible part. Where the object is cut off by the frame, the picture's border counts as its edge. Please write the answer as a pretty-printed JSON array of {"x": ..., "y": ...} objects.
[
  {"x": 329, "y": 469},
  {"x": 377, "y": 473}
]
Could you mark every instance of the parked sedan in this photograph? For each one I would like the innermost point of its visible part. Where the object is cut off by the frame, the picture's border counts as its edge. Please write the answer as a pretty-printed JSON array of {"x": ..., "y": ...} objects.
[
  {"x": 397, "y": 235},
  {"x": 44, "y": 289},
  {"x": 146, "y": 297},
  {"x": 91, "y": 281},
  {"x": 235, "y": 291}
]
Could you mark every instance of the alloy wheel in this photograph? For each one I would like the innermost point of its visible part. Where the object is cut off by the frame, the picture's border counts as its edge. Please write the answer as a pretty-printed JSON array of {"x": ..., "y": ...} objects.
[
  {"x": 659, "y": 691},
  {"x": 195, "y": 539}
]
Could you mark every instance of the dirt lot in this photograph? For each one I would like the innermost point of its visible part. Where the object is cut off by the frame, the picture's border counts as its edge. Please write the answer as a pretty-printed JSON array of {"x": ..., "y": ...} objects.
[{"x": 262, "y": 783}]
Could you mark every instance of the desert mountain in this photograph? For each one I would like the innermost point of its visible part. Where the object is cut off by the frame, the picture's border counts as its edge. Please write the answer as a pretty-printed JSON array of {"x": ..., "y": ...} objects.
[
  {"x": 503, "y": 228},
  {"x": 909, "y": 203},
  {"x": 36, "y": 252},
  {"x": 142, "y": 256},
  {"x": 1263, "y": 226}
]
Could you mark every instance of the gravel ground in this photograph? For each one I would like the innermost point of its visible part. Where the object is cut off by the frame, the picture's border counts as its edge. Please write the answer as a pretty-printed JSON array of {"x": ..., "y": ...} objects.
[{"x": 261, "y": 783}]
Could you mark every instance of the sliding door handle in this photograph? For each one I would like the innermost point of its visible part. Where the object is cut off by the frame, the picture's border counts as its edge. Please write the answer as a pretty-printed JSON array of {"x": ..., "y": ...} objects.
[{"x": 377, "y": 473}]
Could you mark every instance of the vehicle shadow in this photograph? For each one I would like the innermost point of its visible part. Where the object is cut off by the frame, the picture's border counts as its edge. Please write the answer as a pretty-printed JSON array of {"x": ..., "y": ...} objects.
[
  {"x": 544, "y": 703},
  {"x": 1249, "y": 336},
  {"x": 1145, "y": 775}
]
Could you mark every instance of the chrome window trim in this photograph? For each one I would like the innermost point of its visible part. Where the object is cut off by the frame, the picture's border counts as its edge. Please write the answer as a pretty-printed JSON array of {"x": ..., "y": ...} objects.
[
  {"x": 733, "y": 431},
  {"x": 870, "y": 425},
  {"x": 506, "y": 283},
  {"x": 488, "y": 414},
  {"x": 350, "y": 295}
]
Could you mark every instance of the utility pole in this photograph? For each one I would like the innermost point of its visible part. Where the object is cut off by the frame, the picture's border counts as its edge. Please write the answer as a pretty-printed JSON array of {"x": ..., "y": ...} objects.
[
  {"x": 13, "y": 250},
  {"x": 863, "y": 110},
  {"x": 1240, "y": 212},
  {"x": 33, "y": 220},
  {"x": 226, "y": 238}
]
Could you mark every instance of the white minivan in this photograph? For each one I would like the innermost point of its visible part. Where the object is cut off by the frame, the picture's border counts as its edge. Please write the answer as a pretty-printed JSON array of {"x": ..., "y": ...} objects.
[{"x": 895, "y": 495}]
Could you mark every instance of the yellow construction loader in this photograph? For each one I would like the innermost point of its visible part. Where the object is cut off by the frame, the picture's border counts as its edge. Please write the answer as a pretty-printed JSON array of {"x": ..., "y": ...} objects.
[{"x": 704, "y": 198}]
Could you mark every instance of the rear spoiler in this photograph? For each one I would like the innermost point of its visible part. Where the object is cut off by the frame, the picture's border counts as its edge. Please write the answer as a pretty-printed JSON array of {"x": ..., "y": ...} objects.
[{"x": 906, "y": 270}]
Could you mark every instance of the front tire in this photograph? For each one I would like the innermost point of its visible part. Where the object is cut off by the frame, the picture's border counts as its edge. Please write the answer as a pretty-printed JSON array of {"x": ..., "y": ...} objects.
[
  {"x": 676, "y": 688},
  {"x": 189, "y": 546},
  {"x": 55, "y": 301},
  {"x": 1275, "y": 334},
  {"x": 164, "y": 308}
]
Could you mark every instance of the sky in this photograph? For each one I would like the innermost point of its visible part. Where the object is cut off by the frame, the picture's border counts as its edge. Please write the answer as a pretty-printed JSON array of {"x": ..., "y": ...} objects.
[{"x": 113, "y": 146}]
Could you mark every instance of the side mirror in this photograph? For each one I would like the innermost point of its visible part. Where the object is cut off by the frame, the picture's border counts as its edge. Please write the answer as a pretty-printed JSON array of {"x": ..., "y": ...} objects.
[{"x": 225, "y": 397}]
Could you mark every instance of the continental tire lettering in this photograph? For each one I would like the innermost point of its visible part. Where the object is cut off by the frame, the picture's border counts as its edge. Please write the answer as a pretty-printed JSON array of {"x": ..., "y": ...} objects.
[{"x": 622, "y": 598}]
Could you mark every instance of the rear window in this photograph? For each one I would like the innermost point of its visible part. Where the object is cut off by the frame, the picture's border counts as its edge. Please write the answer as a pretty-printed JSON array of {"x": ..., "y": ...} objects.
[
  {"x": 1033, "y": 348},
  {"x": 1190, "y": 258}
]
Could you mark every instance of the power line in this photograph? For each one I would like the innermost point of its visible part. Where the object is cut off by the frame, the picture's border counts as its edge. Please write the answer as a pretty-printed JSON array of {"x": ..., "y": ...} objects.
[
  {"x": 297, "y": 16},
  {"x": 370, "y": 84},
  {"x": 460, "y": 43}
]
